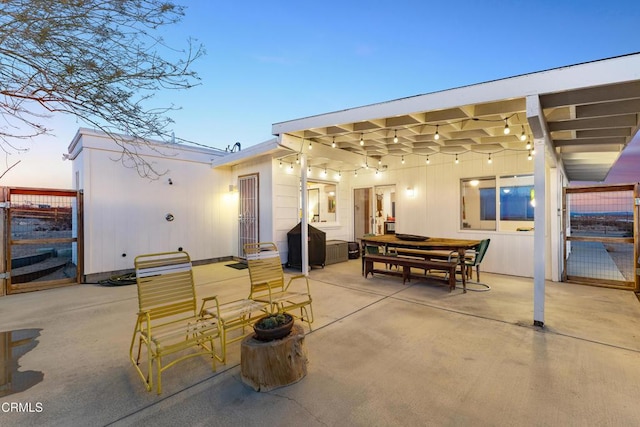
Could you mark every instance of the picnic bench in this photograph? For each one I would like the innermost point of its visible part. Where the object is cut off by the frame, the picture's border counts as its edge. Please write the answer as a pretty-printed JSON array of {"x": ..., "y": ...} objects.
[{"x": 407, "y": 263}]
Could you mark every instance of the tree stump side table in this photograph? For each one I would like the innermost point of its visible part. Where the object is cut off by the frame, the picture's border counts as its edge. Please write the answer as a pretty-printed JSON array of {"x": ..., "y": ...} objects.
[{"x": 265, "y": 366}]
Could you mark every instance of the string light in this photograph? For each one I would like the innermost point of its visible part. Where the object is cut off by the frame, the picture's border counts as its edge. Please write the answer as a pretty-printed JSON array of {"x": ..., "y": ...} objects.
[
  {"x": 530, "y": 156},
  {"x": 310, "y": 146},
  {"x": 333, "y": 144},
  {"x": 291, "y": 166},
  {"x": 457, "y": 159},
  {"x": 403, "y": 160},
  {"x": 325, "y": 171},
  {"x": 355, "y": 173},
  {"x": 528, "y": 146},
  {"x": 506, "y": 126},
  {"x": 523, "y": 137},
  {"x": 395, "y": 136},
  {"x": 297, "y": 161},
  {"x": 437, "y": 135},
  {"x": 309, "y": 170},
  {"x": 361, "y": 139},
  {"x": 380, "y": 161},
  {"x": 427, "y": 161},
  {"x": 489, "y": 160},
  {"x": 376, "y": 171},
  {"x": 280, "y": 163},
  {"x": 533, "y": 150}
]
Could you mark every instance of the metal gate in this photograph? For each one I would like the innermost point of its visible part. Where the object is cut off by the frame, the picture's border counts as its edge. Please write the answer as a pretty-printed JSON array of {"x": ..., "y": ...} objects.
[
  {"x": 41, "y": 243},
  {"x": 601, "y": 239},
  {"x": 249, "y": 212}
]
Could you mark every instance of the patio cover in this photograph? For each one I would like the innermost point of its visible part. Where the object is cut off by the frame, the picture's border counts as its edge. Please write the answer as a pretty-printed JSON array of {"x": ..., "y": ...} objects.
[{"x": 589, "y": 112}]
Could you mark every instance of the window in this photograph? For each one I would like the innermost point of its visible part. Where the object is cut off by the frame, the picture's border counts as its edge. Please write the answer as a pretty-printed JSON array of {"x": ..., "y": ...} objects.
[
  {"x": 510, "y": 196},
  {"x": 478, "y": 204}
]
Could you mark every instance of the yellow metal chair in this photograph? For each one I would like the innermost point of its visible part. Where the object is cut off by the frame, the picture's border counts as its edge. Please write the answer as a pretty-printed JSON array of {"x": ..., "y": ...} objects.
[
  {"x": 268, "y": 284},
  {"x": 167, "y": 321},
  {"x": 232, "y": 316}
]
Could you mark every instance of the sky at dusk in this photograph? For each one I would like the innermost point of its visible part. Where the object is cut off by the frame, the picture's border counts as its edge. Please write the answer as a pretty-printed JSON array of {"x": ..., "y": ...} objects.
[{"x": 269, "y": 62}]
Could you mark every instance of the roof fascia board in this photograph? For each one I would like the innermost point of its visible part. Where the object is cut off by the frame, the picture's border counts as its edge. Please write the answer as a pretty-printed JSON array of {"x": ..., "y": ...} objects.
[
  {"x": 264, "y": 148},
  {"x": 597, "y": 73},
  {"x": 92, "y": 139}
]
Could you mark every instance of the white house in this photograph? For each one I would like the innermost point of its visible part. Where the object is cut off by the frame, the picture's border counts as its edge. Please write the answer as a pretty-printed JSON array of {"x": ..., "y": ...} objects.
[{"x": 425, "y": 165}]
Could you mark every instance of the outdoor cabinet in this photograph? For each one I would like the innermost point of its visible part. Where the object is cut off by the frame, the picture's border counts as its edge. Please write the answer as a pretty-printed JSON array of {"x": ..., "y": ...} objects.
[{"x": 317, "y": 247}]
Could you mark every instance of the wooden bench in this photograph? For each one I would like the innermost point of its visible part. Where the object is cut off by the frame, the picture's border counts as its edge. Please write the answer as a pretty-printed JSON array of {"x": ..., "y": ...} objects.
[{"x": 407, "y": 263}]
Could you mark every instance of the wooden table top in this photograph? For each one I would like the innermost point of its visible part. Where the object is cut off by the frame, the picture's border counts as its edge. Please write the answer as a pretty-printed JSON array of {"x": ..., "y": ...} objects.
[{"x": 430, "y": 243}]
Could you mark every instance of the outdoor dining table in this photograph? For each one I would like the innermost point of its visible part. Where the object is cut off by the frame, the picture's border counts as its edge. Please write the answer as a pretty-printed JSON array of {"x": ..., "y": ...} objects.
[{"x": 416, "y": 242}]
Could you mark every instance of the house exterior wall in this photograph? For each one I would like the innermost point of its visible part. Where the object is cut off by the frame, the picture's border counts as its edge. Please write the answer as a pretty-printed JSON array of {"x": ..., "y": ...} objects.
[{"x": 124, "y": 214}]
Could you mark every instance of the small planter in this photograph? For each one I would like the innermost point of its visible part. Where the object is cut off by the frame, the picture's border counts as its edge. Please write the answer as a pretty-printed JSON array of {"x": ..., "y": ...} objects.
[{"x": 273, "y": 327}]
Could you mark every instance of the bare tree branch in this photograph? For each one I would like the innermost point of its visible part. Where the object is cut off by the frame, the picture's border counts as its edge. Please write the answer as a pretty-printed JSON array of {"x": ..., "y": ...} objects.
[{"x": 99, "y": 60}]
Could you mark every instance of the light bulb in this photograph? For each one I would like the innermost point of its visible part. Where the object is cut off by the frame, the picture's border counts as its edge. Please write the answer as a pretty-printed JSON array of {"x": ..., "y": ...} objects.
[
  {"x": 297, "y": 160},
  {"x": 528, "y": 146},
  {"x": 529, "y": 157},
  {"x": 457, "y": 159},
  {"x": 310, "y": 146},
  {"x": 325, "y": 172},
  {"x": 489, "y": 160},
  {"x": 395, "y": 137},
  {"x": 333, "y": 144},
  {"x": 361, "y": 139},
  {"x": 523, "y": 137},
  {"x": 280, "y": 163},
  {"x": 437, "y": 135},
  {"x": 506, "y": 127},
  {"x": 427, "y": 161},
  {"x": 403, "y": 160}
]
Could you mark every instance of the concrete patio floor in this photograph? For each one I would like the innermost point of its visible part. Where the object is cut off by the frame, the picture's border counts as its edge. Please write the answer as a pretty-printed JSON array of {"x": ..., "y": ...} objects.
[{"x": 380, "y": 353}]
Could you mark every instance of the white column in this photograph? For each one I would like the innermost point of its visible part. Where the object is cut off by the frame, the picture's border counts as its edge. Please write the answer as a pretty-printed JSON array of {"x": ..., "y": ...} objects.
[
  {"x": 304, "y": 221},
  {"x": 539, "y": 224}
]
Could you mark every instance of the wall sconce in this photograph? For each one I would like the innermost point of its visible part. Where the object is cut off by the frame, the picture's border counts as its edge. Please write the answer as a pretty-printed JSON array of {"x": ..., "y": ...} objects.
[{"x": 410, "y": 192}]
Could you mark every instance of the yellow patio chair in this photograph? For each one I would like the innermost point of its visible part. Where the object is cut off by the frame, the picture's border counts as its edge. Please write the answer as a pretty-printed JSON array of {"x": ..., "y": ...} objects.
[
  {"x": 231, "y": 316},
  {"x": 168, "y": 322},
  {"x": 268, "y": 284}
]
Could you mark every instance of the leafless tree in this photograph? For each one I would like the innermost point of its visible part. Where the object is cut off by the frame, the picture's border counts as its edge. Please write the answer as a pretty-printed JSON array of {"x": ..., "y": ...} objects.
[{"x": 99, "y": 60}]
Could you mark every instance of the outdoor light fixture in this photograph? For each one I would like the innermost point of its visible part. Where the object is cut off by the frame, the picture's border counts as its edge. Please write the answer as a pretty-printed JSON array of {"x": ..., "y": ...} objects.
[
  {"x": 437, "y": 135},
  {"x": 333, "y": 144},
  {"x": 361, "y": 139},
  {"x": 506, "y": 126},
  {"x": 523, "y": 137},
  {"x": 395, "y": 136}
]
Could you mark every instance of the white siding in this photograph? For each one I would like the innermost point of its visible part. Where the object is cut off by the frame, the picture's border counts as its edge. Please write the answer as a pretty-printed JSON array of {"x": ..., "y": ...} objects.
[{"x": 124, "y": 214}]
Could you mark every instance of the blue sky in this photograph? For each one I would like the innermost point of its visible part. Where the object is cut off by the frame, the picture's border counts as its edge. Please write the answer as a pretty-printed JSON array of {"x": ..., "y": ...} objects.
[{"x": 273, "y": 61}]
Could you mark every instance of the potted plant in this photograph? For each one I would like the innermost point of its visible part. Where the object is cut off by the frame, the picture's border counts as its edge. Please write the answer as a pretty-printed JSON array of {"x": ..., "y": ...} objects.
[{"x": 273, "y": 326}]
